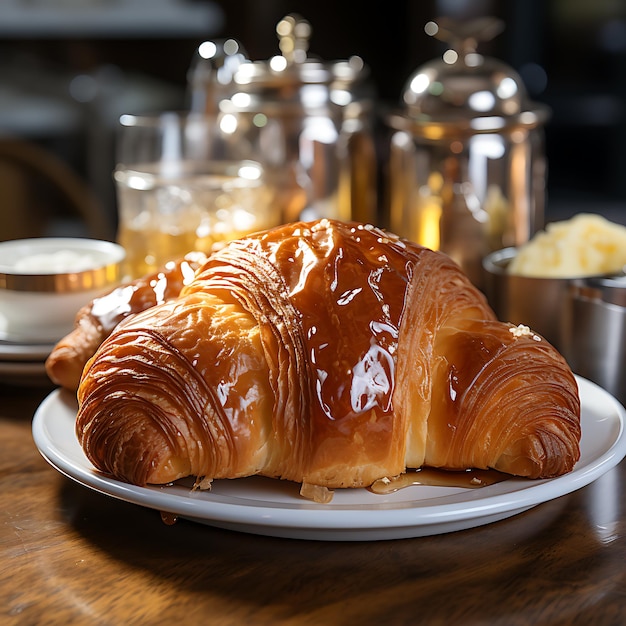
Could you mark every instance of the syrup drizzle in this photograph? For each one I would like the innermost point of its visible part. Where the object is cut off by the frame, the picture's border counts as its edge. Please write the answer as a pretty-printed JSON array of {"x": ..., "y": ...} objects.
[{"x": 468, "y": 479}]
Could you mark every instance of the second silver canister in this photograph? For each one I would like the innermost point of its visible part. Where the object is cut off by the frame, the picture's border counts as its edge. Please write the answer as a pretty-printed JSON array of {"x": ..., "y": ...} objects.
[{"x": 467, "y": 164}]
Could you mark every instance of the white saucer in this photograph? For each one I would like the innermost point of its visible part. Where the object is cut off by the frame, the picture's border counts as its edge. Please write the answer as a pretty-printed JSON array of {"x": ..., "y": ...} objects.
[{"x": 19, "y": 351}]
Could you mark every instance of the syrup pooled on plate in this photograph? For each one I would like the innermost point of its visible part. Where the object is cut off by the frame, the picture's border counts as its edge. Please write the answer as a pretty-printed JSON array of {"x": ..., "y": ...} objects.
[{"x": 469, "y": 479}]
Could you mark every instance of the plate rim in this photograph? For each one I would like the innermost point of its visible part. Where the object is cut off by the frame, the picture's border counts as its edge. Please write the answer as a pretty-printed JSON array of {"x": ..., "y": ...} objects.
[{"x": 309, "y": 518}]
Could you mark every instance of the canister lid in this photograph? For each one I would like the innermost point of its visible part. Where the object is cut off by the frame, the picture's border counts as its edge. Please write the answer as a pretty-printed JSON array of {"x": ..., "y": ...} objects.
[
  {"x": 295, "y": 77},
  {"x": 465, "y": 91}
]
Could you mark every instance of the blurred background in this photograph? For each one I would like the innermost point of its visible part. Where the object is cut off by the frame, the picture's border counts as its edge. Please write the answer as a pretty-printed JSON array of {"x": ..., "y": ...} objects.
[{"x": 70, "y": 68}]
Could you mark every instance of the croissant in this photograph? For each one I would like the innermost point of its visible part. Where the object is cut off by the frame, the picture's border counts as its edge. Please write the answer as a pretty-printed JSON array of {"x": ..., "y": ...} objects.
[{"x": 331, "y": 354}]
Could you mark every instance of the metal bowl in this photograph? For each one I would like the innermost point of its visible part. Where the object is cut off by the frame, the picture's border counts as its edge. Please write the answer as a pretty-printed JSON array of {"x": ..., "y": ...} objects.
[
  {"x": 540, "y": 303},
  {"x": 594, "y": 343}
]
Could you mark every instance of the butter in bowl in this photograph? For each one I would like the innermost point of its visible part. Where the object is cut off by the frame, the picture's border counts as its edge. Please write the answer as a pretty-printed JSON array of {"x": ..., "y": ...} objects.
[
  {"x": 45, "y": 281},
  {"x": 545, "y": 285}
]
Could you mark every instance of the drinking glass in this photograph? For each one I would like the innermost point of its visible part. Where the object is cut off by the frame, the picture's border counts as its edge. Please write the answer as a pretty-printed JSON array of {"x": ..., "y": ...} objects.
[{"x": 179, "y": 192}]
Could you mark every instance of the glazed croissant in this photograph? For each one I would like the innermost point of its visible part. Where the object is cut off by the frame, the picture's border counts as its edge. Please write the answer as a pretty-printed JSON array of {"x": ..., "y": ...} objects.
[{"x": 329, "y": 354}]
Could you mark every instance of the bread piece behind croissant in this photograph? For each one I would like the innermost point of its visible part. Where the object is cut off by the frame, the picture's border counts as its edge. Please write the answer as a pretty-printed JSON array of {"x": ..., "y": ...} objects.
[
  {"x": 329, "y": 354},
  {"x": 96, "y": 320}
]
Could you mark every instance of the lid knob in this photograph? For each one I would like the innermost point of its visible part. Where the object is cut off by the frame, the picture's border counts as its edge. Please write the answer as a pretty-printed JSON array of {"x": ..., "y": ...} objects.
[
  {"x": 293, "y": 34},
  {"x": 464, "y": 37},
  {"x": 464, "y": 91}
]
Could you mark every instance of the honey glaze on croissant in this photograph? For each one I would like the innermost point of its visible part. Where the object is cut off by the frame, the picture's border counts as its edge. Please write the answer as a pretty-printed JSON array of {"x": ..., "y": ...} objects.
[{"x": 331, "y": 354}]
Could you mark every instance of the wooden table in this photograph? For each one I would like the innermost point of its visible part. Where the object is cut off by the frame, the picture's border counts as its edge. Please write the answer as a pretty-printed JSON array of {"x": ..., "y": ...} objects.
[{"x": 71, "y": 556}]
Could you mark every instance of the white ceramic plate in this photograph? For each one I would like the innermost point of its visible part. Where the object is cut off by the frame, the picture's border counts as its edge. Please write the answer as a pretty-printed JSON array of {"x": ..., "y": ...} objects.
[{"x": 272, "y": 507}]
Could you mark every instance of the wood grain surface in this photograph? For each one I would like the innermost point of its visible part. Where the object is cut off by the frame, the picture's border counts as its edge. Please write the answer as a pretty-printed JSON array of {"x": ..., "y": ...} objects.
[{"x": 71, "y": 556}]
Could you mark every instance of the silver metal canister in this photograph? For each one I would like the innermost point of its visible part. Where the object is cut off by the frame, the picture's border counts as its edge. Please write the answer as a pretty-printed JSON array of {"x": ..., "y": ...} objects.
[
  {"x": 467, "y": 166},
  {"x": 307, "y": 121}
]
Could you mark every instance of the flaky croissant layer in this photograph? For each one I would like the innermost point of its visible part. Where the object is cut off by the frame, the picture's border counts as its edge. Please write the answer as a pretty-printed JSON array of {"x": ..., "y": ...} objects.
[{"x": 330, "y": 354}]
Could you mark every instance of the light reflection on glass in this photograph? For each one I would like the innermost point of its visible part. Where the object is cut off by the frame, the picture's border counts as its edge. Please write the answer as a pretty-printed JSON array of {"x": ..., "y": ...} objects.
[
  {"x": 528, "y": 117},
  {"x": 241, "y": 99},
  {"x": 481, "y": 101},
  {"x": 278, "y": 63},
  {"x": 420, "y": 83},
  {"x": 128, "y": 120},
  {"x": 507, "y": 88},
  {"x": 436, "y": 88},
  {"x": 518, "y": 136},
  {"x": 482, "y": 149},
  {"x": 321, "y": 129},
  {"x": 429, "y": 208},
  {"x": 473, "y": 59},
  {"x": 431, "y": 28},
  {"x": 250, "y": 172},
  {"x": 314, "y": 95},
  {"x": 402, "y": 140},
  {"x": 231, "y": 47},
  {"x": 341, "y": 97},
  {"x": 207, "y": 49},
  {"x": 140, "y": 182},
  {"x": 450, "y": 57},
  {"x": 228, "y": 124},
  {"x": 244, "y": 73},
  {"x": 260, "y": 120},
  {"x": 488, "y": 123}
]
